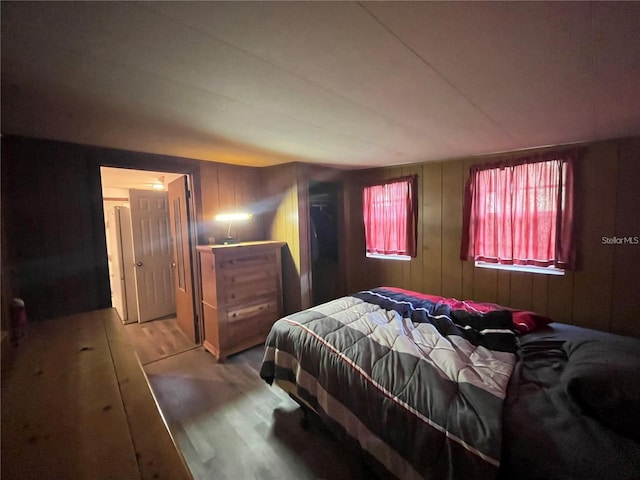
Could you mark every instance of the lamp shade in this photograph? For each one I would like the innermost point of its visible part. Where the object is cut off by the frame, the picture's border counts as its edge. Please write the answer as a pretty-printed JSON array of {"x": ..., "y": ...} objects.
[{"x": 230, "y": 218}]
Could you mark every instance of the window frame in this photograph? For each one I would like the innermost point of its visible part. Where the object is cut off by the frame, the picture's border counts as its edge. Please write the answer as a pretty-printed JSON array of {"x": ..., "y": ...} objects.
[
  {"x": 409, "y": 249},
  {"x": 562, "y": 228}
]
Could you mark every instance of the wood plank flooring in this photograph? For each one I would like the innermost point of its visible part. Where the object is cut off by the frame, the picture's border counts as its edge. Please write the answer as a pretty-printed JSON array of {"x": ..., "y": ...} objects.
[
  {"x": 75, "y": 405},
  {"x": 158, "y": 339},
  {"x": 229, "y": 424}
]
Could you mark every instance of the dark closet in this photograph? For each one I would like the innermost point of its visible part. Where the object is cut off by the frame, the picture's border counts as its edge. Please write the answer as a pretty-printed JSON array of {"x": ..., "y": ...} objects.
[{"x": 323, "y": 224}]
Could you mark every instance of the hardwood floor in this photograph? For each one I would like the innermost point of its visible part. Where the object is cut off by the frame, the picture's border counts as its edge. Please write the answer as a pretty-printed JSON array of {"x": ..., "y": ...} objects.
[
  {"x": 229, "y": 424},
  {"x": 75, "y": 405},
  {"x": 158, "y": 339}
]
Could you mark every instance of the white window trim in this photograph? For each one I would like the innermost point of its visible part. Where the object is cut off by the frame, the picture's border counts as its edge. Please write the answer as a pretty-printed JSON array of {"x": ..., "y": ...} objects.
[
  {"x": 521, "y": 268},
  {"x": 389, "y": 256}
]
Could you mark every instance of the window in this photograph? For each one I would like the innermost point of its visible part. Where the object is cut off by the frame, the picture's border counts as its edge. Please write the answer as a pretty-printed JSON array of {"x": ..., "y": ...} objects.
[
  {"x": 390, "y": 214},
  {"x": 519, "y": 215}
]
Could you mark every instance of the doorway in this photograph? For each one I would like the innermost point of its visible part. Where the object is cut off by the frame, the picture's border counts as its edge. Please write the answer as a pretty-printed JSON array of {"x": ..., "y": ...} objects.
[
  {"x": 123, "y": 191},
  {"x": 324, "y": 221}
]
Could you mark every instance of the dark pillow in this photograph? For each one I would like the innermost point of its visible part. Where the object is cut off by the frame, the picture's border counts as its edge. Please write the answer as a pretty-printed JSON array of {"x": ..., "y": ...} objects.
[
  {"x": 524, "y": 321},
  {"x": 603, "y": 378}
]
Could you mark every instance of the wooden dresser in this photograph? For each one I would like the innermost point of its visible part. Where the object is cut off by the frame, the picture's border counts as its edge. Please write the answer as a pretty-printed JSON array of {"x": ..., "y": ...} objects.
[{"x": 241, "y": 294}]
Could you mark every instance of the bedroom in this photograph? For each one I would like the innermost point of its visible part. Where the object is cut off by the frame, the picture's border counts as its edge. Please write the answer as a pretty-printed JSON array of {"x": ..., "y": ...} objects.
[{"x": 63, "y": 118}]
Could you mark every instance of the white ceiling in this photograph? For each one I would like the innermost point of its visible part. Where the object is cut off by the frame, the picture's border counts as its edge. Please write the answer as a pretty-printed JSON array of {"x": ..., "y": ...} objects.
[
  {"x": 343, "y": 83},
  {"x": 125, "y": 179}
]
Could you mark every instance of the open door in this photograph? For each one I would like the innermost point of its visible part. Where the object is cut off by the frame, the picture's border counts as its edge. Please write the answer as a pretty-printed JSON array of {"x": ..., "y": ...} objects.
[
  {"x": 122, "y": 264},
  {"x": 182, "y": 265},
  {"x": 152, "y": 254}
]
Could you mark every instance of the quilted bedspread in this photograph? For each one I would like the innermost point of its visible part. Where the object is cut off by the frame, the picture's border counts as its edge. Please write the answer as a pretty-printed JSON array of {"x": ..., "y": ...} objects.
[{"x": 418, "y": 385}]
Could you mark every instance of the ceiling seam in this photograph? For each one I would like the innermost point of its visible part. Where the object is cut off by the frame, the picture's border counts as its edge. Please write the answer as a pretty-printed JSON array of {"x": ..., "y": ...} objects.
[
  {"x": 299, "y": 77},
  {"x": 435, "y": 70}
]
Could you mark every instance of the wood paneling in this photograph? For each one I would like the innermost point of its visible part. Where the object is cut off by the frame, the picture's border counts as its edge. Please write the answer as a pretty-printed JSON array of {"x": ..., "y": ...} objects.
[
  {"x": 225, "y": 189},
  {"x": 593, "y": 285},
  {"x": 304, "y": 245},
  {"x": 601, "y": 294},
  {"x": 282, "y": 220},
  {"x": 451, "y": 228},
  {"x": 539, "y": 299},
  {"x": 560, "y": 297},
  {"x": 430, "y": 221},
  {"x": 286, "y": 218},
  {"x": 54, "y": 251},
  {"x": 53, "y": 221},
  {"x": 468, "y": 270},
  {"x": 625, "y": 311},
  {"x": 521, "y": 290},
  {"x": 52, "y": 209},
  {"x": 412, "y": 270}
]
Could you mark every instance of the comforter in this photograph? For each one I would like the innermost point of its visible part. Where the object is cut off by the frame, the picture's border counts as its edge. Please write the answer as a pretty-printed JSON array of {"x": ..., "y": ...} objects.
[
  {"x": 571, "y": 410},
  {"x": 418, "y": 384}
]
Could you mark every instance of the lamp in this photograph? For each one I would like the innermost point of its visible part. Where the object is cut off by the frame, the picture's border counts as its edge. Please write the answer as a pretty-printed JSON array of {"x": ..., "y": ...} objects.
[{"x": 230, "y": 218}]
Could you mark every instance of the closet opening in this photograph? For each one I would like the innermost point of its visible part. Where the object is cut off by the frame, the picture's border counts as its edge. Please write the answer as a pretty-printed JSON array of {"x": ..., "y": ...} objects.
[{"x": 324, "y": 221}]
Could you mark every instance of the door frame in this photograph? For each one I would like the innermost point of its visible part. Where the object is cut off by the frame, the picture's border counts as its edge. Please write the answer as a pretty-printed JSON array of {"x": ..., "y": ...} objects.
[
  {"x": 193, "y": 230},
  {"x": 193, "y": 259}
]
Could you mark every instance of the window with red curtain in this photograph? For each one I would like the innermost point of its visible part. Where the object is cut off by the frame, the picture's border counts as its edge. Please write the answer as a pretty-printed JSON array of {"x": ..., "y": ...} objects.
[
  {"x": 390, "y": 215},
  {"x": 521, "y": 213}
]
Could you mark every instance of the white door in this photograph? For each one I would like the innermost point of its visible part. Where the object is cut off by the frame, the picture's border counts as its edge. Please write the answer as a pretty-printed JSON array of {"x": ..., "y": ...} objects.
[
  {"x": 152, "y": 253},
  {"x": 179, "y": 213},
  {"x": 116, "y": 266},
  {"x": 128, "y": 265}
]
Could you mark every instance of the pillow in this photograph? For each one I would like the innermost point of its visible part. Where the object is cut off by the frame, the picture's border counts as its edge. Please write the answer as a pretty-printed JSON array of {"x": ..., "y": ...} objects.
[
  {"x": 524, "y": 321},
  {"x": 603, "y": 378}
]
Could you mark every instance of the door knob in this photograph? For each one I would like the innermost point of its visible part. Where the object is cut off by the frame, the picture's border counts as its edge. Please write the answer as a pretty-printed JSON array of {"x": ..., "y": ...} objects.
[
  {"x": 173, "y": 264},
  {"x": 139, "y": 264}
]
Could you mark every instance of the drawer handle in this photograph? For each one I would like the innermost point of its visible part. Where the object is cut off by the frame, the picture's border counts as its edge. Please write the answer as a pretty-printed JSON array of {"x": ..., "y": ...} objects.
[{"x": 234, "y": 314}]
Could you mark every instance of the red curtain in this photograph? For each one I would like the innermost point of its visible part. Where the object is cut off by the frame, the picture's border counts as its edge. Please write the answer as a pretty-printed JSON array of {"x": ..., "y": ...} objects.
[
  {"x": 390, "y": 215},
  {"x": 521, "y": 213}
]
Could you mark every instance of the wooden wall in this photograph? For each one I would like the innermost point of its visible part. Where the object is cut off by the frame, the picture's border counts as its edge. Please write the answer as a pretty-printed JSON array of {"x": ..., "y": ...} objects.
[
  {"x": 53, "y": 236},
  {"x": 225, "y": 189},
  {"x": 54, "y": 249},
  {"x": 282, "y": 220},
  {"x": 603, "y": 294},
  {"x": 286, "y": 200}
]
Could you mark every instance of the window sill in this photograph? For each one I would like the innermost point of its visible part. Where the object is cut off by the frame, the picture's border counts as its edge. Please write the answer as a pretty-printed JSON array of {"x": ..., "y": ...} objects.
[
  {"x": 389, "y": 257},
  {"x": 521, "y": 268}
]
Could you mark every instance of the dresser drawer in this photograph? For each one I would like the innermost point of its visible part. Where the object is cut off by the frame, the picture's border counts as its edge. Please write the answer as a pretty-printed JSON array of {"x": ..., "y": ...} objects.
[
  {"x": 257, "y": 260},
  {"x": 238, "y": 276},
  {"x": 267, "y": 305},
  {"x": 246, "y": 292},
  {"x": 255, "y": 327}
]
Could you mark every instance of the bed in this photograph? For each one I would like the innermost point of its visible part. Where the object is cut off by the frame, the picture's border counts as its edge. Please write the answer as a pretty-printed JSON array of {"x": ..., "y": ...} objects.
[{"x": 434, "y": 388}]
